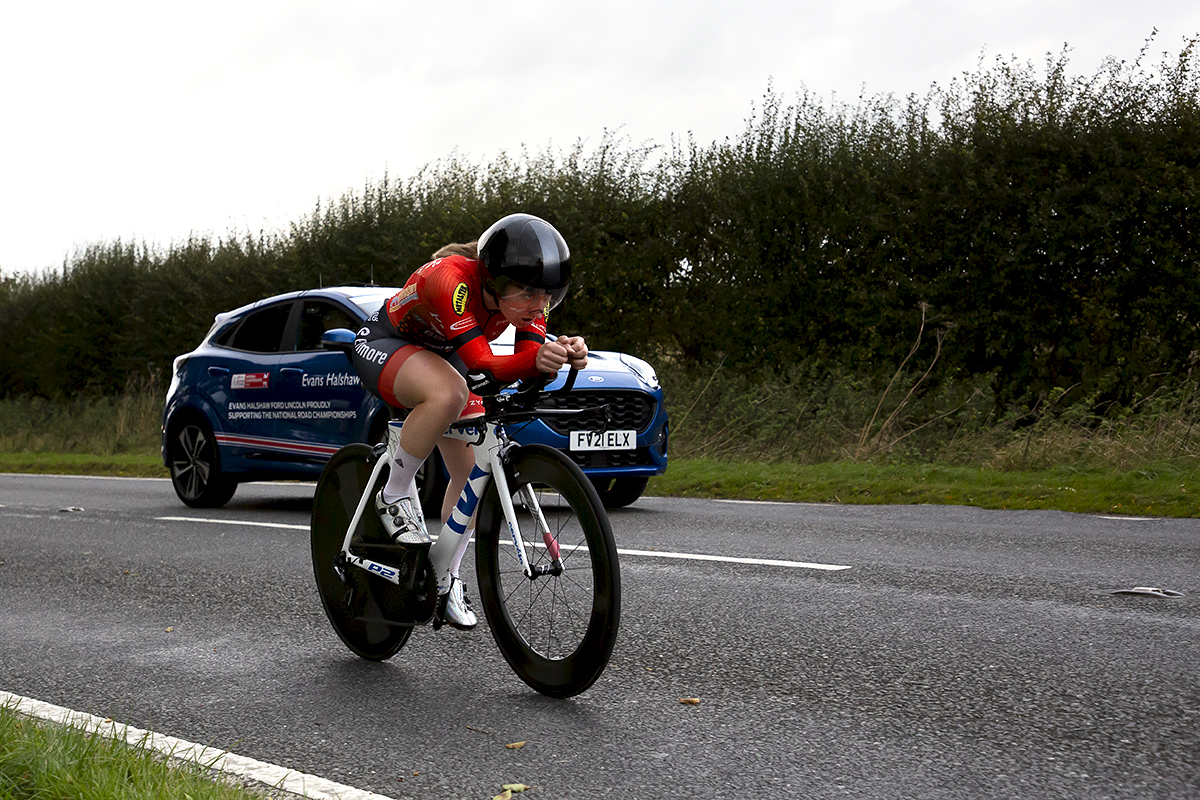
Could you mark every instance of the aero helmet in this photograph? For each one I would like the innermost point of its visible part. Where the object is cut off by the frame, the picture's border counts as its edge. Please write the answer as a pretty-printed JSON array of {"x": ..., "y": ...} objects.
[{"x": 525, "y": 249}]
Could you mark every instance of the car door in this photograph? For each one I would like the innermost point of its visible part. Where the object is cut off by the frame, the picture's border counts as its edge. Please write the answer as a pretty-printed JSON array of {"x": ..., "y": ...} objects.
[
  {"x": 240, "y": 375},
  {"x": 320, "y": 400}
]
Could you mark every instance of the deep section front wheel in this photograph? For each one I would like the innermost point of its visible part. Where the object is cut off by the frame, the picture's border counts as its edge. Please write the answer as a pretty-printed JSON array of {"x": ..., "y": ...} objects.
[
  {"x": 356, "y": 603},
  {"x": 556, "y": 629}
]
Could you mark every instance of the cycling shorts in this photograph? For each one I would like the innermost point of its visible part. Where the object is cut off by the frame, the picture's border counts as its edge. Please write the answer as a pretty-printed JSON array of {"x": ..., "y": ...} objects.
[{"x": 378, "y": 355}]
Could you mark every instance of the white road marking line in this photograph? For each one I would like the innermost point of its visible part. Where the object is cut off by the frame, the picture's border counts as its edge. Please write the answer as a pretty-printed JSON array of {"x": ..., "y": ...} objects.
[
  {"x": 74, "y": 477},
  {"x": 247, "y": 523},
  {"x": 288, "y": 780},
  {"x": 760, "y": 562}
]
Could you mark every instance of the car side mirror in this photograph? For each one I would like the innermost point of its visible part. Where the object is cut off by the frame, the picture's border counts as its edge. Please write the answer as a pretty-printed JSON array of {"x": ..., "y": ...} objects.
[{"x": 338, "y": 339}]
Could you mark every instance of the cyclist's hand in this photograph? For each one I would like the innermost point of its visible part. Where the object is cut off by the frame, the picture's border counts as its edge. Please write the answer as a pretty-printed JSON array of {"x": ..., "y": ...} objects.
[
  {"x": 579, "y": 352},
  {"x": 551, "y": 356}
]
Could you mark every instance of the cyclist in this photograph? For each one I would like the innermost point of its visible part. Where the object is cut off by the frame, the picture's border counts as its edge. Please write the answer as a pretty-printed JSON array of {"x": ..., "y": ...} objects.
[{"x": 427, "y": 349}]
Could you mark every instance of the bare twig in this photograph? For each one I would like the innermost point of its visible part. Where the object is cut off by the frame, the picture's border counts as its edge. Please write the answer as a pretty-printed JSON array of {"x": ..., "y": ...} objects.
[
  {"x": 866, "y": 431},
  {"x": 720, "y": 363},
  {"x": 939, "y": 336}
]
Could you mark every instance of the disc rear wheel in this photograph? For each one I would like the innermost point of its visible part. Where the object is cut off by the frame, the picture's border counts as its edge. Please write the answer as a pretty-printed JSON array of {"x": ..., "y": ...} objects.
[{"x": 354, "y": 601}]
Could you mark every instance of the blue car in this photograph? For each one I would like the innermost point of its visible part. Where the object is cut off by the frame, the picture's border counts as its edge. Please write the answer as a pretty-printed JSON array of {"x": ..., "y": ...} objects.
[{"x": 260, "y": 399}]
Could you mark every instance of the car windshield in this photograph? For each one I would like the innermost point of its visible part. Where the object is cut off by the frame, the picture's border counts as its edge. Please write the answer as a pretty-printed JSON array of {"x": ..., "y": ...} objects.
[
  {"x": 370, "y": 299},
  {"x": 503, "y": 345}
]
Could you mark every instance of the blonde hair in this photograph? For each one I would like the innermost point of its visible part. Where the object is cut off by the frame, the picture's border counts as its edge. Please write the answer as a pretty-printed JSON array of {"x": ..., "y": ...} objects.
[{"x": 469, "y": 249}]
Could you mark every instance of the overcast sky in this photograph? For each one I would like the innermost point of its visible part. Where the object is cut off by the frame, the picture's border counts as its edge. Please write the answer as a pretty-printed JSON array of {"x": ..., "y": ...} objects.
[{"x": 146, "y": 121}]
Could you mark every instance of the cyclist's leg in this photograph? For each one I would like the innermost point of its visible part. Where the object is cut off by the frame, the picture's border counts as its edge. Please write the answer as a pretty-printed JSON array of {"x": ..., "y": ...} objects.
[
  {"x": 447, "y": 552},
  {"x": 423, "y": 381},
  {"x": 406, "y": 375},
  {"x": 459, "y": 459},
  {"x": 435, "y": 391}
]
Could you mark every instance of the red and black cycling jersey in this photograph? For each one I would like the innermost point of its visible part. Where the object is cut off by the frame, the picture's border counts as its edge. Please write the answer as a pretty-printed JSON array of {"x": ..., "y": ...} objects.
[{"x": 441, "y": 308}]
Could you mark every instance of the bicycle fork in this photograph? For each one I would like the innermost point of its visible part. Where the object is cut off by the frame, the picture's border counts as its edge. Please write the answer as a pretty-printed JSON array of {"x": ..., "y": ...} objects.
[{"x": 489, "y": 448}]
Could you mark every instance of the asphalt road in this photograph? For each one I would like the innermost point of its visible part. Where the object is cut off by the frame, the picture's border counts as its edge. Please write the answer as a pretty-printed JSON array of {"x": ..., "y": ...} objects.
[{"x": 964, "y": 653}]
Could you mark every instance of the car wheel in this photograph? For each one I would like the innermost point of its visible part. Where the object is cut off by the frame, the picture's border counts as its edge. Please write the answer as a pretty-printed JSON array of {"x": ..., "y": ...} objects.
[
  {"x": 195, "y": 464},
  {"x": 620, "y": 492}
]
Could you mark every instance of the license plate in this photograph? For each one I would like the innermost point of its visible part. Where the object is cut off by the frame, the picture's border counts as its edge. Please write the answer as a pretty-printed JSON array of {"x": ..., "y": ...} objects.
[{"x": 603, "y": 440}]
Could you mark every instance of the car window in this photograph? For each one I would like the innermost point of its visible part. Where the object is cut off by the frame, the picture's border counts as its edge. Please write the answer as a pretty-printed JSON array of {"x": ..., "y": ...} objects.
[
  {"x": 261, "y": 331},
  {"x": 318, "y": 316}
]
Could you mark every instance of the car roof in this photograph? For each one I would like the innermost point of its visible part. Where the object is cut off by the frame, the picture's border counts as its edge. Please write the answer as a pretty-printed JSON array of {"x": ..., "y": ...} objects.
[{"x": 369, "y": 298}]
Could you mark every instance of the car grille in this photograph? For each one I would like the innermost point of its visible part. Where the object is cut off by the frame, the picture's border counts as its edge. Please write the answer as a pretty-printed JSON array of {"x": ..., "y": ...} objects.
[{"x": 629, "y": 411}]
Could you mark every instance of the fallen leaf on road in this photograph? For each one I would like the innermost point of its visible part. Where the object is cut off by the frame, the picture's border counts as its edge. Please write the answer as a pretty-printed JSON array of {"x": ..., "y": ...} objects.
[
  {"x": 690, "y": 701},
  {"x": 505, "y": 795},
  {"x": 515, "y": 745},
  {"x": 514, "y": 787}
]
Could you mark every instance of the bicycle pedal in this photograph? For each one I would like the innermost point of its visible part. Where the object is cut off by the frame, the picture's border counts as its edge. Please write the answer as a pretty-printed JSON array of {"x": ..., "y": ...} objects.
[{"x": 339, "y": 569}]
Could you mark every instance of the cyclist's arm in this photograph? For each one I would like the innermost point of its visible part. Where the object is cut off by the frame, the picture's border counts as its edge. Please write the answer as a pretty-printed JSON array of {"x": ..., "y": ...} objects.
[{"x": 487, "y": 372}]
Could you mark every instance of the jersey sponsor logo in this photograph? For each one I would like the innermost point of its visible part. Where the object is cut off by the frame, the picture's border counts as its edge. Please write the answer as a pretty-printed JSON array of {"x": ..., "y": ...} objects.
[
  {"x": 482, "y": 382},
  {"x": 461, "y": 292},
  {"x": 368, "y": 353},
  {"x": 250, "y": 380},
  {"x": 463, "y": 325},
  {"x": 402, "y": 298}
]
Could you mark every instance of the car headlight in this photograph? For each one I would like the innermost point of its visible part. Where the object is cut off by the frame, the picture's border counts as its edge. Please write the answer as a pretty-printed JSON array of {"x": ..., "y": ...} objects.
[{"x": 642, "y": 369}]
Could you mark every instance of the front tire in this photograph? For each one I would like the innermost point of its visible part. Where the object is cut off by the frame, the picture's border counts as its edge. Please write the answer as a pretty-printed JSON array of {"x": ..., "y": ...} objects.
[
  {"x": 556, "y": 630},
  {"x": 195, "y": 463}
]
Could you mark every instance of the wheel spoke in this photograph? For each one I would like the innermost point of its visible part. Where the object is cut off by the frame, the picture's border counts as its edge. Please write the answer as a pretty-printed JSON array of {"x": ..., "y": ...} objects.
[{"x": 556, "y": 628}]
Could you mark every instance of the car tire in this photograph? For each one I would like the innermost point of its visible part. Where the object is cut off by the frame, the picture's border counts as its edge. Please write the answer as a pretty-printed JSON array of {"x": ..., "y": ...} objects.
[
  {"x": 195, "y": 464},
  {"x": 619, "y": 492}
]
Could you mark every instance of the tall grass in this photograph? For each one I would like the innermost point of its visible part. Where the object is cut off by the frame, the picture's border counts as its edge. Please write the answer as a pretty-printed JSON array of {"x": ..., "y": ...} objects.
[
  {"x": 804, "y": 415},
  {"x": 808, "y": 416},
  {"x": 127, "y": 423},
  {"x": 41, "y": 760}
]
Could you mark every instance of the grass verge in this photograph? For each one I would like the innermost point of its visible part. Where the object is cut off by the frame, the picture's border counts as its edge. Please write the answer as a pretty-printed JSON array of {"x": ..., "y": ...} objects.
[
  {"x": 1154, "y": 490},
  {"x": 1157, "y": 491},
  {"x": 124, "y": 465},
  {"x": 39, "y": 759}
]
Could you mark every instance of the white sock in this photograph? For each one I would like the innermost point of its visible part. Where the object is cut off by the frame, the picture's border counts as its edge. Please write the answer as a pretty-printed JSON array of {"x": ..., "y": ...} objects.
[
  {"x": 402, "y": 477},
  {"x": 460, "y": 552}
]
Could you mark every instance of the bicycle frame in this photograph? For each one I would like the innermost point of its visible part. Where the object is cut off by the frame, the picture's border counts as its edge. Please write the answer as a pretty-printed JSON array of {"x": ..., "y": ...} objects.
[
  {"x": 554, "y": 613},
  {"x": 489, "y": 443}
]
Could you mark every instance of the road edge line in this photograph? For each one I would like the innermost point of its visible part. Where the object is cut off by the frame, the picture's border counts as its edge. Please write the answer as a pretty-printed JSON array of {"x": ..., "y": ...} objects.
[{"x": 269, "y": 775}]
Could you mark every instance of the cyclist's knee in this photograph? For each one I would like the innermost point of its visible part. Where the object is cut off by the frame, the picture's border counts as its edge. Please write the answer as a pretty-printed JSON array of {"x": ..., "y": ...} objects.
[{"x": 450, "y": 395}]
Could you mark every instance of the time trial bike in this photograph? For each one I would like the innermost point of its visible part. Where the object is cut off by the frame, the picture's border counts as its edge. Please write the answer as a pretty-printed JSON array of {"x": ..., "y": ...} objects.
[{"x": 545, "y": 556}]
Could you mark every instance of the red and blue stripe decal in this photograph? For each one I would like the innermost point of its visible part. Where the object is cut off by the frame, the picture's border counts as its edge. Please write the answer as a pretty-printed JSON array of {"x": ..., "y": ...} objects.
[{"x": 276, "y": 445}]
